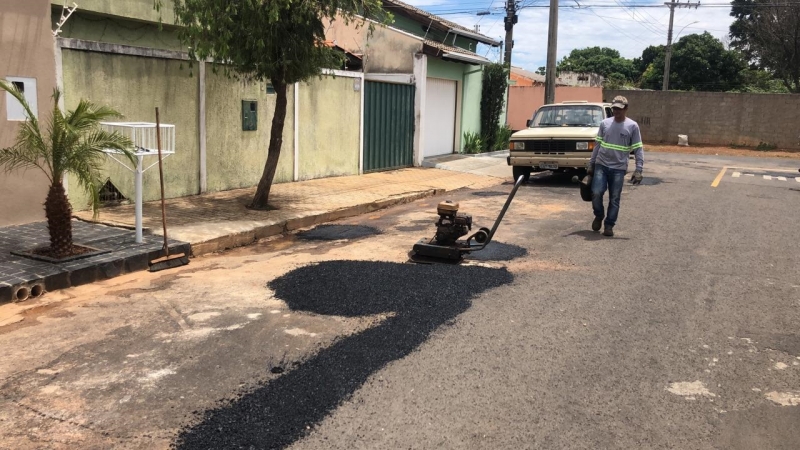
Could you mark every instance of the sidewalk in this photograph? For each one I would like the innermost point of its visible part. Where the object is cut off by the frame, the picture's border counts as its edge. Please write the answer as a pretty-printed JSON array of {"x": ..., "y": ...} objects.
[
  {"x": 493, "y": 164},
  {"x": 218, "y": 221}
]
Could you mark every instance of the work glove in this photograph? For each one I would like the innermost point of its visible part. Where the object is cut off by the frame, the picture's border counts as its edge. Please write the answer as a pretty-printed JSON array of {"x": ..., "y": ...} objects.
[
  {"x": 590, "y": 169},
  {"x": 636, "y": 178}
]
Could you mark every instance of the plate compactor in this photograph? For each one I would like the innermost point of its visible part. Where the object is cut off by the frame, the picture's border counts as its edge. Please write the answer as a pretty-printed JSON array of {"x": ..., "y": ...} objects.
[{"x": 445, "y": 246}]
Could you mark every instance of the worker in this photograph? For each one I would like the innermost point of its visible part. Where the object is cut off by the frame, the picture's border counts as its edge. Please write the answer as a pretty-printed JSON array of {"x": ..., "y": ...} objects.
[{"x": 617, "y": 137}]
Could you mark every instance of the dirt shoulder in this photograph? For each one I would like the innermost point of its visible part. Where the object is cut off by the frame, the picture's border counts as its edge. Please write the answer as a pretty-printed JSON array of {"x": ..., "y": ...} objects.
[{"x": 724, "y": 151}]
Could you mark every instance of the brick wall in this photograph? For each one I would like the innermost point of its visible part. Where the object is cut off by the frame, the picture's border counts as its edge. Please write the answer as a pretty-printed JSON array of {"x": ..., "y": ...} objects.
[{"x": 715, "y": 118}]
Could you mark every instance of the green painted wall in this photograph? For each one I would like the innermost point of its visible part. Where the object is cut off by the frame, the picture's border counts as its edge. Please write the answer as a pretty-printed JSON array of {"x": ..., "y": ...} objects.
[
  {"x": 470, "y": 80},
  {"x": 330, "y": 111},
  {"x": 135, "y": 86},
  {"x": 142, "y": 10},
  {"x": 115, "y": 30},
  {"x": 471, "y": 100},
  {"x": 235, "y": 158}
]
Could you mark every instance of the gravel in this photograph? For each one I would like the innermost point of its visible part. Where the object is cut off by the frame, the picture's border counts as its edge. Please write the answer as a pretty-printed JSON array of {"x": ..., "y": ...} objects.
[{"x": 421, "y": 298}]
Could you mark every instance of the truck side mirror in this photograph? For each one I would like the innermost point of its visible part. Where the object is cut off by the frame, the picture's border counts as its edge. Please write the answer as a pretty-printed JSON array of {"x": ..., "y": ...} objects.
[{"x": 528, "y": 123}]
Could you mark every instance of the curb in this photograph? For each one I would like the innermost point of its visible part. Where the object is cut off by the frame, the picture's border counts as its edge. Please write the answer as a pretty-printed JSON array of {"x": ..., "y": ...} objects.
[
  {"x": 251, "y": 236},
  {"x": 89, "y": 274}
]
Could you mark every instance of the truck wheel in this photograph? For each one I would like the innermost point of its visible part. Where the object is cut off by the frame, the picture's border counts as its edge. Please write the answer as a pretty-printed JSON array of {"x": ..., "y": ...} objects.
[{"x": 519, "y": 171}]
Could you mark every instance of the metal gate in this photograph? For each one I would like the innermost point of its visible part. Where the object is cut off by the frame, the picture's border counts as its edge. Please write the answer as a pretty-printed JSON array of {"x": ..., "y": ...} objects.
[{"x": 388, "y": 126}]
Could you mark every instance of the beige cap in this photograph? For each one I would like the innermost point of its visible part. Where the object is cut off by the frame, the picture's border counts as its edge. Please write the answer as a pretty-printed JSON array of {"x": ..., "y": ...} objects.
[{"x": 619, "y": 102}]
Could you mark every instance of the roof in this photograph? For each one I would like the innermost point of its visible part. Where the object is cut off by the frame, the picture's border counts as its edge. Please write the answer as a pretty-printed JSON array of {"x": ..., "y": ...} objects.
[
  {"x": 438, "y": 22},
  {"x": 527, "y": 74},
  {"x": 449, "y": 52}
]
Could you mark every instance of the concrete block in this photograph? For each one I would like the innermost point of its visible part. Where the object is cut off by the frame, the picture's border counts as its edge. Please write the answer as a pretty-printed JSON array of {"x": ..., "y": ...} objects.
[{"x": 57, "y": 281}]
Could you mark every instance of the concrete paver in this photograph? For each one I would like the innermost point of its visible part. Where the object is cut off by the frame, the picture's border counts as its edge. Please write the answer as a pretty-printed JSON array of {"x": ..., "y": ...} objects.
[{"x": 218, "y": 221}]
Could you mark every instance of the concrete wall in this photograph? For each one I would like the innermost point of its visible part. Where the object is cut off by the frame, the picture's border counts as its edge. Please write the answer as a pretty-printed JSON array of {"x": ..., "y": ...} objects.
[
  {"x": 93, "y": 27},
  {"x": 26, "y": 50},
  {"x": 236, "y": 158},
  {"x": 715, "y": 118},
  {"x": 141, "y": 10},
  {"x": 385, "y": 50},
  {"x": 523, "y": 101},
  {"x": 135, "y": 86},
  {"x": 329, "y": 133}
]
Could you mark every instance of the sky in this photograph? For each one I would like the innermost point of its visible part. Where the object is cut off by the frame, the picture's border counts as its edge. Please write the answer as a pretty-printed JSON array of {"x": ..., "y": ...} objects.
[{"x": 626, "y": 29}]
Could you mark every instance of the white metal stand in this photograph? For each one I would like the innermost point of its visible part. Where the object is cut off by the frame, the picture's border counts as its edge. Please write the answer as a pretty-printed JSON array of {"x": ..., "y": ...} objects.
[{"x": 143, "y": 137}]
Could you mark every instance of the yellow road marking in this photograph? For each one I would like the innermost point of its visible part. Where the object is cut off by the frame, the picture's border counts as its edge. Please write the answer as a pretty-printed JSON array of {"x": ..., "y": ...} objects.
[{"x": 719, "y": 177}]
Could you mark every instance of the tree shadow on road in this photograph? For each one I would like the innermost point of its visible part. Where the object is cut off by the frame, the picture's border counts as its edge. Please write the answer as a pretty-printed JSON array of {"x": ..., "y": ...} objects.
[{"x": 417, "y": 300}]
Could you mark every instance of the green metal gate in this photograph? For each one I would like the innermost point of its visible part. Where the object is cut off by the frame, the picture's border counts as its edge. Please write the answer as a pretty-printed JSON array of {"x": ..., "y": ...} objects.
[{"x": 388, "y": 126}]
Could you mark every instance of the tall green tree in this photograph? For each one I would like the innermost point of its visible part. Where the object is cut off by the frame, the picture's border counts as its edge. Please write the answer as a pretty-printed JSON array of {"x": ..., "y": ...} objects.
[
  {"x": 70, "y": 143},
  {"x": 602, "y": 61},
  {"x": 495, "y": 84},
  {"x": 768, "y": 34},
  {"x": 280, "y": 41},
  {"x": 699, "y": 62}
]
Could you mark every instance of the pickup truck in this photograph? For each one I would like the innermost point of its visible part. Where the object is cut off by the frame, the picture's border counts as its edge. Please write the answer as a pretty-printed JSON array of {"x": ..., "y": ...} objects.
[{"x": 560, "y": 138}]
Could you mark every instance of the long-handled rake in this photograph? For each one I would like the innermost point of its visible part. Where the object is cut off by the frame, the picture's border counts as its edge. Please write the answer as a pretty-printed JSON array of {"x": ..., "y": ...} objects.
[{"x": 167, "y": 261}]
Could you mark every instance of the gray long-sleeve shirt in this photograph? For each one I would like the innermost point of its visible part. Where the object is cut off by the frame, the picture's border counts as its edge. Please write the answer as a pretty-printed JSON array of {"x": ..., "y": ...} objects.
[{"x": 615, "y": 141}]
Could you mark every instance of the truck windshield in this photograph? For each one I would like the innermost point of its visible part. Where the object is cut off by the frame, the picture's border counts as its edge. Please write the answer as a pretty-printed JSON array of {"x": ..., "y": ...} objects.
[{"x": 568, "y": 116}]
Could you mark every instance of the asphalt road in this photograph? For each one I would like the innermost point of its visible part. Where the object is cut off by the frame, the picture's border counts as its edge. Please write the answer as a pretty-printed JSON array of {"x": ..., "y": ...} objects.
[{"x": 679, "y": 332}]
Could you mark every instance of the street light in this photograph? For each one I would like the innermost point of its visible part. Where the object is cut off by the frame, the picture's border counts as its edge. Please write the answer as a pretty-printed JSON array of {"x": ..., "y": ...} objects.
[{"x": 684, "y": 27}]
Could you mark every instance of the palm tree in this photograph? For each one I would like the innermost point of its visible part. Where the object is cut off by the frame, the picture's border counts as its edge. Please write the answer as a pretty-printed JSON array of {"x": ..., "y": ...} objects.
[{"x": 74, "y": 143}]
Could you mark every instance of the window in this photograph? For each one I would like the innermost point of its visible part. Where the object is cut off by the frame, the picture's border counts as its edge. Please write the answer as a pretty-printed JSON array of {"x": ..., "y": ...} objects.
[
  {"x": 565, "y": 116},
  {"x": 14, "y": 110}
]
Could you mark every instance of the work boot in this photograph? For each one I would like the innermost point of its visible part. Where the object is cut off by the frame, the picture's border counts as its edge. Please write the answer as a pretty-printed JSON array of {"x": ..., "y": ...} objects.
[
  {"x": 609, "y": 231},
  {"x": 597, "y": 223}
]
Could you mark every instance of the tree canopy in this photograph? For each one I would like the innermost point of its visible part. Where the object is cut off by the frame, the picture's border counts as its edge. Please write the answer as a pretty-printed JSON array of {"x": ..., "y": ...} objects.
[
  {"x": 767, "y": 32},
  {"x": 602, "y": 61},
  {"x": 699, "y": 62}
]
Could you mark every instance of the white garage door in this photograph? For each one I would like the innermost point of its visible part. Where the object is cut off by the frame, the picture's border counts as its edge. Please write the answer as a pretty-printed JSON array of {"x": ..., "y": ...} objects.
[{"x": 440, "y": 117}]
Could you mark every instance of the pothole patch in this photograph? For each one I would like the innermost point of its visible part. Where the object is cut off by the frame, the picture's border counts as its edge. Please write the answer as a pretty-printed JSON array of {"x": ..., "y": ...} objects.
[
  {"x": 337, "y": 232},
  {"x": 490, "y": 194},
  {"x": 498, "y": 251}
]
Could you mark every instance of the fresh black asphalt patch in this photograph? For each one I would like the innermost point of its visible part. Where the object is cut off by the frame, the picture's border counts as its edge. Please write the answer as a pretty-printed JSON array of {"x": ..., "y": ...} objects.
[
  {"x": 337, "y": 232},
  {"x": 498, "y": 251},
  {"x": 421, "y": 298}
]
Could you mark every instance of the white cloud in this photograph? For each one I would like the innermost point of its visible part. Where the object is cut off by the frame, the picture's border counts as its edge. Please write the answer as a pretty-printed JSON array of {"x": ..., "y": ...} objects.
[{"x": 629, "y": 30}]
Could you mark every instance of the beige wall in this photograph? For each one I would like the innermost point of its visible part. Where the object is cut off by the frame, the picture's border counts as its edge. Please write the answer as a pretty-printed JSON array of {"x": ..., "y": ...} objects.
[
  {"x": 715, "y": 118},
  {"x": 235, "y": 158},
  {"x": 523, "y": 101},
  {"x": 330, "y": 114},
  {"x": 134, "y": 86},
  {"x": 385, "y": 50},
  {"x": 26, "y": 50}
]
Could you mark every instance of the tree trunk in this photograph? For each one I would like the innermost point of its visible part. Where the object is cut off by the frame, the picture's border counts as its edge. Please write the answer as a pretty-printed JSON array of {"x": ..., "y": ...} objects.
[
  {"x": 59, "y": 220},
  {"x": 275, "y": 143}
]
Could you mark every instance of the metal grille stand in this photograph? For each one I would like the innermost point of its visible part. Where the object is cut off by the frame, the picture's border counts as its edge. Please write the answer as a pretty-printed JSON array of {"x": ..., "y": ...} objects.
[{"x": 143, "y": 136}]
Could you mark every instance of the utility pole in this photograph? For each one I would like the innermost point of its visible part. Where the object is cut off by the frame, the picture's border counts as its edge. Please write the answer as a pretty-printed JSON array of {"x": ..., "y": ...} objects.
[
  {"x": 672, "y": 5},
  {"x": 510, "y": 20},
  {"x": 552, "y": 45}
]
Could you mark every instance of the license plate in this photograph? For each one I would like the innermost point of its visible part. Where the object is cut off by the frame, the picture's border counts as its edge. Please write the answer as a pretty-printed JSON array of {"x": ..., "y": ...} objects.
[{"x": 548, "y": 165}]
